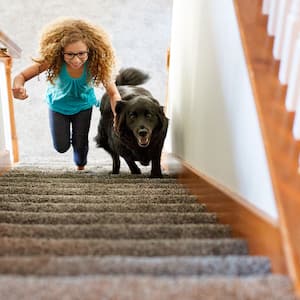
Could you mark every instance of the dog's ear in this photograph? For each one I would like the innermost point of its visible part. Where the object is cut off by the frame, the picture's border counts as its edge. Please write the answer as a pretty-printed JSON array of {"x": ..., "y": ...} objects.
[
  {"x": 119, "y": 106},
  {"x": 163, "y": 120},
  {"x": 120, "y": 115},
  {"x": 162, "y": 112}
]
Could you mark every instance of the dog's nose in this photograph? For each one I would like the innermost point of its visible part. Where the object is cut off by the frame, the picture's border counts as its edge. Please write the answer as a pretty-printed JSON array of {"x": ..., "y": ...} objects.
[{"x": 143, "y": 132}]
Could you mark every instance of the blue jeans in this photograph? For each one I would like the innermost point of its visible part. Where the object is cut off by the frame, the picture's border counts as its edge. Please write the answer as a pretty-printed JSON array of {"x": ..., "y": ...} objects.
[{"x": 63, "y": 138}]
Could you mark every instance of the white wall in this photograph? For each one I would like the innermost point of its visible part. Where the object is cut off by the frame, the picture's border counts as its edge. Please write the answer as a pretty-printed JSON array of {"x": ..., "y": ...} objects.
[{"x": 214, "y": 126}]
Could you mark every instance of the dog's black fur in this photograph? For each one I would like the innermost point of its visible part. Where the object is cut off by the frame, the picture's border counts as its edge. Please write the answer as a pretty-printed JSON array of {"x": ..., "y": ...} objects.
[{"x": 141, "y": 125}]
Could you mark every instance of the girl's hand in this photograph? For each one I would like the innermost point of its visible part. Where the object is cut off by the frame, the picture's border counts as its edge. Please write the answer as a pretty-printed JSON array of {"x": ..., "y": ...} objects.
[{"x": 20, "y": 93}]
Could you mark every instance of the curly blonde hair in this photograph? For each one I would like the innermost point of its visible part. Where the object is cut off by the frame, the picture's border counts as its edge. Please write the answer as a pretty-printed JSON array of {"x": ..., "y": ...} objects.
[{"x": 64, "y": 31}]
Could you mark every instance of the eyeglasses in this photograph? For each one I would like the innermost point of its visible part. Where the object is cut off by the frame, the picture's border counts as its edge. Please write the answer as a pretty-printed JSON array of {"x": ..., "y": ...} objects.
[{"x": 71, "y": 55}]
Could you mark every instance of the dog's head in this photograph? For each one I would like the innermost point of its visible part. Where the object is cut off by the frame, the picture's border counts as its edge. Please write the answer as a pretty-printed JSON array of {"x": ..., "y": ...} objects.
[{"x": 139, "y": 117}]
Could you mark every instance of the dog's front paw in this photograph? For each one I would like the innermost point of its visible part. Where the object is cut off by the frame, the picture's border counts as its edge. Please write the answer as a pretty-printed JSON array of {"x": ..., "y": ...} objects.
[
  {"x": 156, "y": 175},
  {"x": 136, "y": 171},
  {"x": 115, "y": 172}
]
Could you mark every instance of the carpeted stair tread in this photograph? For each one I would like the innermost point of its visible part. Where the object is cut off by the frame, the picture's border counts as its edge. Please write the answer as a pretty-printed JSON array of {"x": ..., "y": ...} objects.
[
  {"x": 83, "y": 177},
  {"x": 93, "y": 180},
  {"x": 99, "y": 207},
  {"x": 150, "y": 247},
  {"x": 71, "y": 173},
  {"x": 6, "y": 180},
  {"x": 154, "y": 199},
  {"x": 66, "y": 190},
  {"x": 106, "y": 218},
  {"x": 116, "y": 231},
  {"x": 93, "y": 185},
  {"x": 158, "y": 266},
  {"x": 273, "y": 287}
]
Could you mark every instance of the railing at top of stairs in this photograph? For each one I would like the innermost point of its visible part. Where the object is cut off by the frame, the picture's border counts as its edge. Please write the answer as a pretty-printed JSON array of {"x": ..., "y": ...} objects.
[
  {"x": 270, "y": 31},
  {"x": 8, "y": 51},
  {"x": 13, "y": 50},
  {"x": 284, "y": 25}
]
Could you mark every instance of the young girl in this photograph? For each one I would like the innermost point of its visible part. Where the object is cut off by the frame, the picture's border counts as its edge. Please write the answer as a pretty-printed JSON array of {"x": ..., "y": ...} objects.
[{"x": 77, "y": 56}]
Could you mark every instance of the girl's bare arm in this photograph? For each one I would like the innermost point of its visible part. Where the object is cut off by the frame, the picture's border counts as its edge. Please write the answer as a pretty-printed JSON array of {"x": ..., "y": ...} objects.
[
  {"x": 19, "y": 91},
  {"x": 113, "y": 94}
]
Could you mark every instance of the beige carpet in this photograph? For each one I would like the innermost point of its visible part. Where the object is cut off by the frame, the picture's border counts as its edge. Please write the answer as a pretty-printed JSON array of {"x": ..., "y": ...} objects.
[{"x": 90, "y": 235}]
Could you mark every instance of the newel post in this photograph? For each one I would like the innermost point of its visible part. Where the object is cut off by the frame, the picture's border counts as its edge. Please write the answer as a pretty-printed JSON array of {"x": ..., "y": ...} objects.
[{"x": 7, "y": 61}]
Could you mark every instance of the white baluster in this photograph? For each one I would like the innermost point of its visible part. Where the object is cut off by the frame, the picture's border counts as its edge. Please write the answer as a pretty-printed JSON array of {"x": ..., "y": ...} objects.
[
  {"x": 296, "y": 102},
  {"x": 272, "y": 17},
  {"x": 266, "y": 7},
  {"x": 296, "y": 125},
  {"x": 293, "y": 88},
  {"x": 283, "y": 8},
  {"x": 290, "y": 35}
]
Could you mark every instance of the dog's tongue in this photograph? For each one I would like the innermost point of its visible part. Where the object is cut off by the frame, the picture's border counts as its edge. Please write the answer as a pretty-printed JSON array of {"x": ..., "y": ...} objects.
[{"x": 143, "y": 141}]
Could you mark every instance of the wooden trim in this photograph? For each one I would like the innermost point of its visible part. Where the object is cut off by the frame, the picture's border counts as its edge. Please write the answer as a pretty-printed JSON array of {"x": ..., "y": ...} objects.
[
  {"x": 260, "y": 231},
  {"x": 8, "y": 65},
  {"x": 276, "y": 125},
  {"x": 168, "y": 59},
  {"x": 167, "y": 83},
  {"x": 13, "y": 49}
]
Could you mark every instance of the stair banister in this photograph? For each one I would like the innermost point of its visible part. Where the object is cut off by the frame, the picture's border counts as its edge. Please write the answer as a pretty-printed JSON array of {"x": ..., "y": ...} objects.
[
  {"x": 9, "y": 146},
  {"x": 276, "y": 122},
  {"x": 292, "y": 28},
  {"x": 13, "y": 49},
  {"x": 273, "y": 16},
  {"x": 283, "y": 9},
  {"x": 293, "y": 91}
]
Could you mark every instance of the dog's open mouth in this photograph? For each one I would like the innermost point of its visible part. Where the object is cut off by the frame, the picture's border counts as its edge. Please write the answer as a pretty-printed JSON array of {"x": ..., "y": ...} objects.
[{"x": 143, "y": 141}]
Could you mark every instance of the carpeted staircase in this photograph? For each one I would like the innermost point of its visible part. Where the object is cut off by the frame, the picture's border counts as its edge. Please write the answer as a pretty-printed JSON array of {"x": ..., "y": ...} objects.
[{"x": 88, "y": 235}]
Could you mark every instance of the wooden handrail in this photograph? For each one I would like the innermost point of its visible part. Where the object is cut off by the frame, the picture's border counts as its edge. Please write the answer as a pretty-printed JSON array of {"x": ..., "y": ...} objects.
[
  {"x": 13, "y": 49},
  {"x": 276, "y": 123}
]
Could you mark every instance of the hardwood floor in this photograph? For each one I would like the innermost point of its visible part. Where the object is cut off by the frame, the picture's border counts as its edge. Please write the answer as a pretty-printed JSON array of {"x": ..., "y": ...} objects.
[{"x": 276, "y": 125}]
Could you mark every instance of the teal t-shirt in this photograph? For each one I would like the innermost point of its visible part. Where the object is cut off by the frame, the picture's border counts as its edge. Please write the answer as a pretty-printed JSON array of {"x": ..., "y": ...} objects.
[{"x": 70, "y": 95}]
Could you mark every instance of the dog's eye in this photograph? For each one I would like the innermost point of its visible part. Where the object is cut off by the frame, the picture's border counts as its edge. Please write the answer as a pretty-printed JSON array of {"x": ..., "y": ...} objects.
[
  {"x": 132, "y": 115},
  {"x": 148, "y": 115}
]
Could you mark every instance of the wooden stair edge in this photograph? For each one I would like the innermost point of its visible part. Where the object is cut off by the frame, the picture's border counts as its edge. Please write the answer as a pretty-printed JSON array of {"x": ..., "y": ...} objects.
[
  {"x": 276, "y": 123},
  {"x": 261, "y": 232}
]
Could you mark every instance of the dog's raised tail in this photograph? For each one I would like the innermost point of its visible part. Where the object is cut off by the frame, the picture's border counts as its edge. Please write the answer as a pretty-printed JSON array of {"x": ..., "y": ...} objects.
[{"x": 131, "y": 76}]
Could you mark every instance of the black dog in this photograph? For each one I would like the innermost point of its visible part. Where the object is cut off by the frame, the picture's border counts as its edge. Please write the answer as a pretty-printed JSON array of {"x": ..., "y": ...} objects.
[{"x": 141, "y": 125}]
